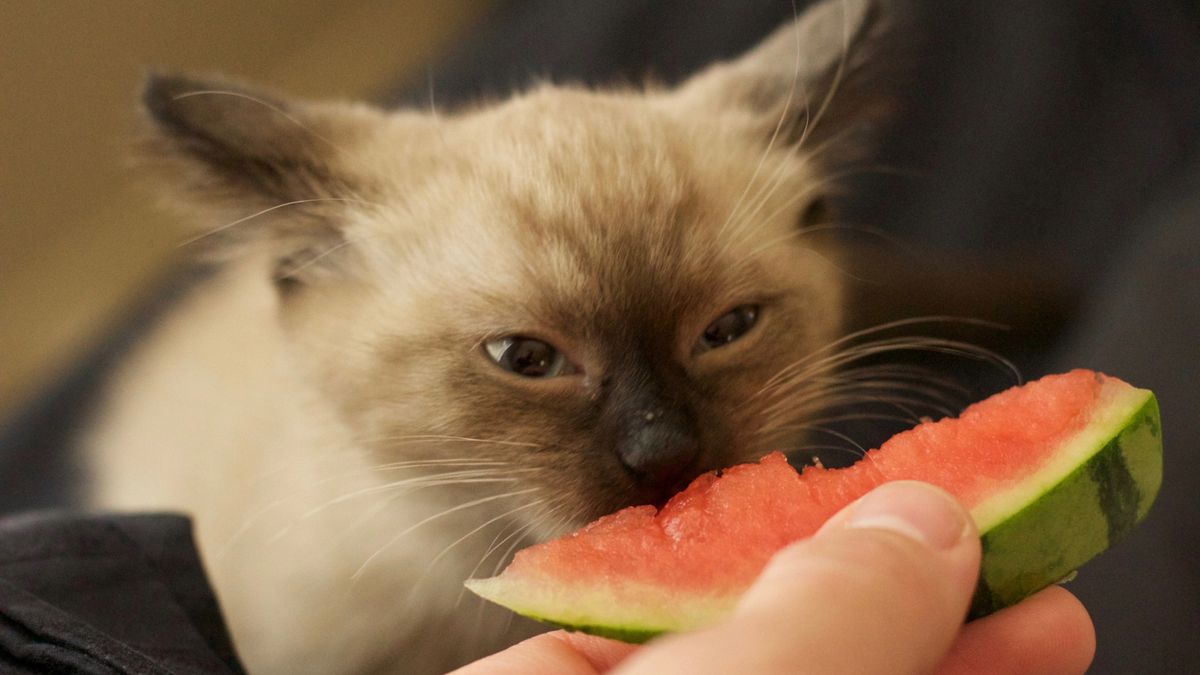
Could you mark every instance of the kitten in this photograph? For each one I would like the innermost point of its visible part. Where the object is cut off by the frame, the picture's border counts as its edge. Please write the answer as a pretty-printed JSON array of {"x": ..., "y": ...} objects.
[{"x": 432, "y": 339}]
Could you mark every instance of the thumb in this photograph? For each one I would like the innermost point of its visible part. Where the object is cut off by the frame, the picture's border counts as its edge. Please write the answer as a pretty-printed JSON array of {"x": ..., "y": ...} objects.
[{"x": 882, "y": 588}]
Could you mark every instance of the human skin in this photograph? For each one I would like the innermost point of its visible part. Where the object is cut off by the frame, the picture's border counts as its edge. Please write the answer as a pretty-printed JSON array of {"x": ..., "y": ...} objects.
[{"x": 893, "y": 574}]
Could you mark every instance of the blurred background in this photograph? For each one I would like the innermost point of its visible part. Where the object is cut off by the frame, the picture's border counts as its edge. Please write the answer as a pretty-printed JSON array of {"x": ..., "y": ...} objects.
[
  {"x": 79, "y": 240},
  {"x": 1050, "y": 157}
]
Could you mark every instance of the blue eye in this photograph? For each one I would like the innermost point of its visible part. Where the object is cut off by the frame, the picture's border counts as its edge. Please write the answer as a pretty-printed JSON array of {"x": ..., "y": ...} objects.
[
  {"x": 729, "y": 327},
  {"x": 528, "y": 357}
]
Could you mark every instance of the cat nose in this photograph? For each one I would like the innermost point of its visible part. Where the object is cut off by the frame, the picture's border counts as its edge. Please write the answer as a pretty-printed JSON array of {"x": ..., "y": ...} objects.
[{"x": 659, "y": 450}]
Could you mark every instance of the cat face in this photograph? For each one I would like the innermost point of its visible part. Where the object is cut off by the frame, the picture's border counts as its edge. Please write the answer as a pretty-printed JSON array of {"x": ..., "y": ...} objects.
[
  {"x": 598, "y": 295},
  {"x": 560, "y": 300}
]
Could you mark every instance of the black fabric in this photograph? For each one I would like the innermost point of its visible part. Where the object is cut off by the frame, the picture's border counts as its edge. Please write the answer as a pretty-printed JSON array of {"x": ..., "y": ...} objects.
[{"x": 107, "y": 594}]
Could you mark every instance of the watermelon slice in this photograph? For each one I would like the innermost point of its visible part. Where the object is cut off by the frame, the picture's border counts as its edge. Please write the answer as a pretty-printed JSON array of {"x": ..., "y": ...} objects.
[{"x": 1053, "y": 472}]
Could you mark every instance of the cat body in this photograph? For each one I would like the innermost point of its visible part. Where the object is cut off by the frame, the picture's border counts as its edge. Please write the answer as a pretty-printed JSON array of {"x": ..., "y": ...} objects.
[{"x": 431, "y": 339}]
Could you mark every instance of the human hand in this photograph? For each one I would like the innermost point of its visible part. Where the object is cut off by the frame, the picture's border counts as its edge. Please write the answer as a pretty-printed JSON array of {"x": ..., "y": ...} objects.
[{"x": 882, "y": 588}]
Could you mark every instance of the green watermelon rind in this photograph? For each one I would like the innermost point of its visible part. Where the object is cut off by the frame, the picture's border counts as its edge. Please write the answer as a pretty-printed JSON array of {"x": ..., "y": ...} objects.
[
  {"x": 634, "y": 636},
  {"x": 1110, "y": 490},
  {"x": 1101, "y": 483},
  {"x": 529, "y": 598}
]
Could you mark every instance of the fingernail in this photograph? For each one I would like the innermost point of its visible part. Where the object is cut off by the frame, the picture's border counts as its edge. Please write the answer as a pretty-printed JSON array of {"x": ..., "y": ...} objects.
[{"x": 912, "y": 509}]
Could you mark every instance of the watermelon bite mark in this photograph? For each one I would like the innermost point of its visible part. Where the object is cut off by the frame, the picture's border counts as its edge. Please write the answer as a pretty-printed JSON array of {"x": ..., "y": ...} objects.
[{"x": 1053, "y": 473}]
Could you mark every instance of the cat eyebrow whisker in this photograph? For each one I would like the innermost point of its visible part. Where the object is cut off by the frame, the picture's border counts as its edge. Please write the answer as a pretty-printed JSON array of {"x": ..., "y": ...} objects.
[
  {"x": 794, "y": 235},
  {"x": 295, "y": 202},
  {"x": 810, "y": 124},
  {"x": 266, "y": 104},
  {"x": 296, "y": 269},
  {"x": 779, "y": 124},
  {"x": 831, "y": 179},
  {"x": 763, "y": 196},
  {"x": 794, "y": 199}
]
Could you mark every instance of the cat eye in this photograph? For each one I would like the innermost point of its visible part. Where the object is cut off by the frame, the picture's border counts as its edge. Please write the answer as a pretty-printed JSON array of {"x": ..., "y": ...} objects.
[
  {"x": 528, "y": 357},
  {"x": 729, "y": 327}
]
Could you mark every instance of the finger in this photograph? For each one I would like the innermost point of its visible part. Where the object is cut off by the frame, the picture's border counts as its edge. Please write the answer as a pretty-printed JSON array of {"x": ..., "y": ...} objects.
[
  {"x": 603, "y": 654},
  {"x": 1050, "y": 632},
  {"x": 882, "y": 588},
  {"x": 556, "y": 653}
]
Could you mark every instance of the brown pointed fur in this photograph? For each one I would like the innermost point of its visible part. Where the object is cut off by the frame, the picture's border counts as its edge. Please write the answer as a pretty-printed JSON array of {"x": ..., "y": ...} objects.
[{"x": 343, "y": 337}]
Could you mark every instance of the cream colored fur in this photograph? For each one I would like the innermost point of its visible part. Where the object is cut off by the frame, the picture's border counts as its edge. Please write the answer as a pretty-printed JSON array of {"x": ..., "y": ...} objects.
[{"x": 276, "y": 418}]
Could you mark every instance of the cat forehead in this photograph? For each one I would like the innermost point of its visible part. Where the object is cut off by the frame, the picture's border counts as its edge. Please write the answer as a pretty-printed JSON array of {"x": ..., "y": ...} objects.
[
  {"x": 592, "y": 207},
  {"x": 599, "y": 199},
  {"x": 612, "y": 167},
  {"x": 556, "y": 151}
]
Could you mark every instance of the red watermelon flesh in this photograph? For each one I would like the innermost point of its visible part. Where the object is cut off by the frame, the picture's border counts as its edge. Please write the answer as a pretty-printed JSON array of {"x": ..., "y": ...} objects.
[{"x": 641, "y": 571}]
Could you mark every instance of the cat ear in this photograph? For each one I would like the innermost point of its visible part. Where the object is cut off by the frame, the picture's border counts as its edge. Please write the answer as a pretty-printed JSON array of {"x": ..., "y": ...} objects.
[
  {"x": 830, "y": 71},
  {"x": 254, "y": 167}
]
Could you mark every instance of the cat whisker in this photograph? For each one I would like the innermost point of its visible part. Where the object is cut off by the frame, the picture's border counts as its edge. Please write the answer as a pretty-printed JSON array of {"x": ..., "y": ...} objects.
[
  {"x": 430, "y": 463},
  {"x": 393, "y": 489},
  {"x": 822, "y": 360},
  {"x": 906, "y": 406},
  {"x": 865, "y": 416},
  {"x": 842, "y": 394},
  {"x": 500, "y": 539},
  {"x": 447, "y": 438},
  {"x": 831, "y": 432},
  {"x": 860, "y": 451},
  {"x": 814, "y": 448},
  {"x": 497, "y": 541},
  {"x": 884, "y": 327},
  {"x": 437, "y": 516},
  {"x": 484, "y": 525},
  {"x": 513, "y": 539},
  {"x": 517, "y": 536},
  {"x": 467, "y": 477}
]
